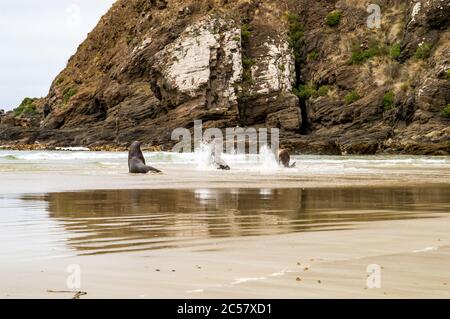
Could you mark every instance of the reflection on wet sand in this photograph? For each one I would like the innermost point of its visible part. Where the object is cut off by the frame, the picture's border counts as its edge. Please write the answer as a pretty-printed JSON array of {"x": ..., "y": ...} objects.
[{"x": 109, "y": 221}]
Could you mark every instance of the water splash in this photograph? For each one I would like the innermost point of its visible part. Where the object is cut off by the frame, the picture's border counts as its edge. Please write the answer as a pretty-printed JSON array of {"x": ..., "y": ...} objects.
[
  {"x": 202, "y": 156},
  {"x": 267, "y": 159}
]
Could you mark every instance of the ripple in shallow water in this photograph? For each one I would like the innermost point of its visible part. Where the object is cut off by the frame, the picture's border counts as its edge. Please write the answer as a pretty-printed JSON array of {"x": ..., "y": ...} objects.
[{"x": 112, "y": 221}]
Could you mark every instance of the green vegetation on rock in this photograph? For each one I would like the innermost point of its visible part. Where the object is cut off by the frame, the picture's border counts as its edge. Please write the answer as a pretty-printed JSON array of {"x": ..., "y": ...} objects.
[
  {"x": 323, "y": 90},
  {"x": 68, "y": 93},
  {"x": 351, "y": 97},
  {"x": 27, "y": 107},
  {"x": 395, "y": 50},
  {"x": 304, "y": 92},
  {"x": 360, "y": 55},
  {"x": 388, "y": 100},
  {"x": 446, "y": 111},
  {"x": 333, "y": 18},
  {"x": 313, "y": 56},
  {"x": 60, "y": 80},
  {"x": 247, "y": 64},
  {"x": 423, "y": 51},
  {"x": 296, "y": 34},
  {"x": 307, "y": 91},
  {"x": 246, "y": 32}
]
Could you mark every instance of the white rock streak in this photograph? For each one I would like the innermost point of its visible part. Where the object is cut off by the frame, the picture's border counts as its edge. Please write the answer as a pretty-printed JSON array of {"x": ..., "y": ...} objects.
[
  {"x": 192, "y": 55},
  {"x": 276, "y": 70}
]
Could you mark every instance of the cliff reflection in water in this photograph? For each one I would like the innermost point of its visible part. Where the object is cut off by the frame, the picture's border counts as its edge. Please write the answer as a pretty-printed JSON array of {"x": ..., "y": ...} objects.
[{"x": 110, "y": 221}]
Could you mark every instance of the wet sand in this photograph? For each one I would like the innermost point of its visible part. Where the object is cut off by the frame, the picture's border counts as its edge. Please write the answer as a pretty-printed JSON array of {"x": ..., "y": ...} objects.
[
  {"x": 303, "y": 233},
  {"x": 414, "y": 256},
  {"x": 180, "y": 178}
]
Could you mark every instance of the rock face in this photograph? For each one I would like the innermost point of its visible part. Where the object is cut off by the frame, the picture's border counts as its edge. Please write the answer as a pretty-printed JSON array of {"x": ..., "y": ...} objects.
[
  {"x": 203, "y": 65},
  {"x": 151, "y": 66}
]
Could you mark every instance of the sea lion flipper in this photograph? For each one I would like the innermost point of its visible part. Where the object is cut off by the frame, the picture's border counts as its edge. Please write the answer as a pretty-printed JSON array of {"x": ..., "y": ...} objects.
[
  {"x": 223, "y": 167},
  {"x": 292, "y": 165},
  {"x": 153, "y": 170}
]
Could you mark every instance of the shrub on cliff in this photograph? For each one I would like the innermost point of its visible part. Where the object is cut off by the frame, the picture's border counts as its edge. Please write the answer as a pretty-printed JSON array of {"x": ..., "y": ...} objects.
[
  {"x": 296, "y": 34},
  {"x": 395, "y": 50},
  {"x": 360, "y": 55},
  {"x": 313, "y": 56},
  {"x": 388, "y": 100},
  {"x": 246, "y": 32},
  {"x": 27, "y": 107},
  {"x": 446, "y": 111},
  {"x": 304, "y": 92},
  {"x": 333, "y": 18},
  {"x": 323, "y": 90},
  {"x": 423, "y": 51},
  {"x": 68, "y": 93},
  {"x": 351, "y": 97},
  {"x": 247, "y": 64}
]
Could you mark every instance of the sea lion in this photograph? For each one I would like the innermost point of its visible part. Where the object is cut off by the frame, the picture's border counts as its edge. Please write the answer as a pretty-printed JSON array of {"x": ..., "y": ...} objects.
[
  {"x": 136, "y": 161},
  {"x": 284, "y": 158}
]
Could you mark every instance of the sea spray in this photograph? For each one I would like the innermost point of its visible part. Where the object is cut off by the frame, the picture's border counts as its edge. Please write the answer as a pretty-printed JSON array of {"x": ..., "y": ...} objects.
[
  {"x": 267, "y": 159},
  {"x": 202, "y": 156}
]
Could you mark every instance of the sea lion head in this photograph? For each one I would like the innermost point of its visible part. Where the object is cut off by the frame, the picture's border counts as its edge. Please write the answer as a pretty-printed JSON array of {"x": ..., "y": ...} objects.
[
  {"x": 135, "y": 148},
  {"x": 135, "y": 151},
  {"x": 135, "y": 145}
]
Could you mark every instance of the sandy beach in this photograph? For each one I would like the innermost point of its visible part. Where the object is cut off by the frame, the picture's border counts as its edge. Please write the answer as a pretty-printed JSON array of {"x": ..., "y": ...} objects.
[
  {"x": 414, "y": 256},
  {"x": 257, "y": 231}
]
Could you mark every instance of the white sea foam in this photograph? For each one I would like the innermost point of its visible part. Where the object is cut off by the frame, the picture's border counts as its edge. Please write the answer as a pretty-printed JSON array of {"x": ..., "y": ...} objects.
[
  {"x": 263, "y": 163},
  {"x": 65, "y": 155},
  {"x": 202, "y": 156}
]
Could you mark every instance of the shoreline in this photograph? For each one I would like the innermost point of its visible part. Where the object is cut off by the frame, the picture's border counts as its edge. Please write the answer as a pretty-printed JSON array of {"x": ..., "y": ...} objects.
[
  {"x": 159, "y": 148},
  {"x": 104, "y": 148},
  {"x": 31, "y": 182},
  {"x": 49, "y": 172}
]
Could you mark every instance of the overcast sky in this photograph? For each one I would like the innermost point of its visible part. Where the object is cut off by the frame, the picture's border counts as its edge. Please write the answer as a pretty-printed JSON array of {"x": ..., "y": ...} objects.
[{"x": 36, "y": 40}]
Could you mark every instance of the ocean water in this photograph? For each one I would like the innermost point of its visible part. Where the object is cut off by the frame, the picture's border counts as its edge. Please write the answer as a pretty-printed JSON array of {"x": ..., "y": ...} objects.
[
  {"x": 264, "y": 162},
  {"x": 193, "y": 201}
]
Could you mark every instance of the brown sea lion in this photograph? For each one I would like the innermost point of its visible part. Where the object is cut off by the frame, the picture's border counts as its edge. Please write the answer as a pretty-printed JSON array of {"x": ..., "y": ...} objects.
[
  {"x": 284, "y": 158},
  {"x": 136, "y": 161}
]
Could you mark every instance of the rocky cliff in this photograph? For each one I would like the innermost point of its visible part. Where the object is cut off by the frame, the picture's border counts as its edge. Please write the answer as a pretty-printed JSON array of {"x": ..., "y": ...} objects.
[{"x": 314, "y": 69}]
